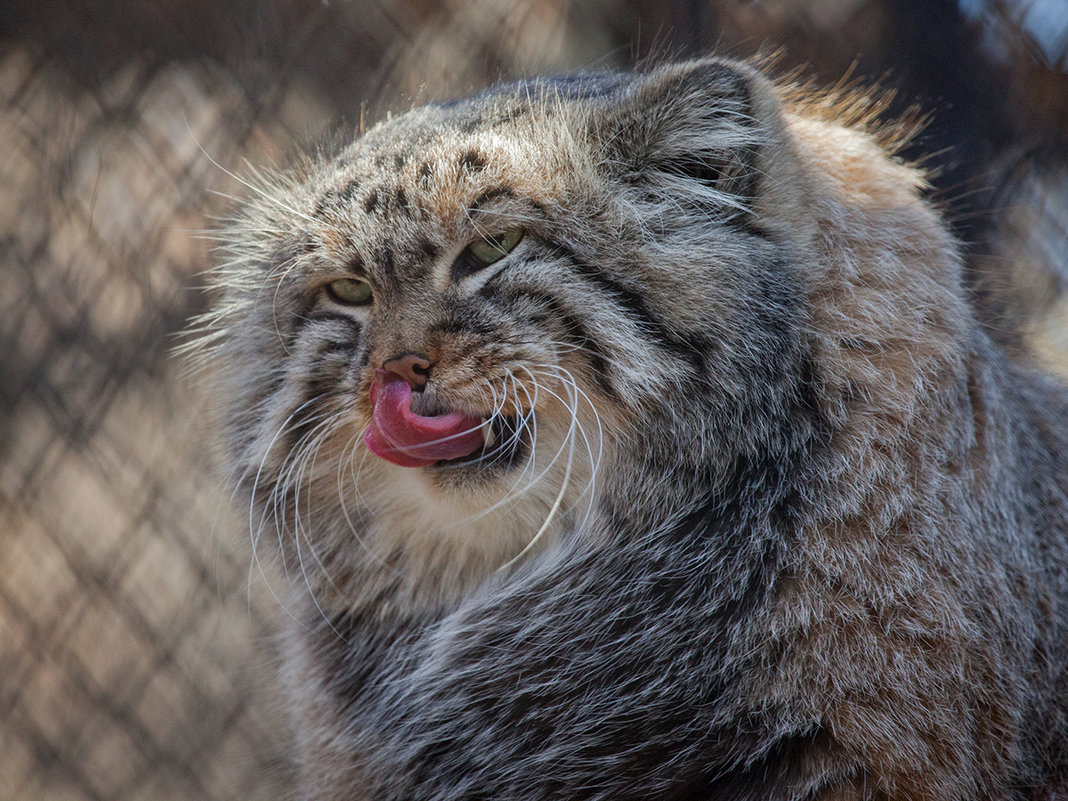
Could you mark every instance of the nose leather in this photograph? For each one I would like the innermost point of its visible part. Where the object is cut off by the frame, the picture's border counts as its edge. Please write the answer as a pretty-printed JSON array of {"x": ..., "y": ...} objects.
[{"x": 412, "y": 367}]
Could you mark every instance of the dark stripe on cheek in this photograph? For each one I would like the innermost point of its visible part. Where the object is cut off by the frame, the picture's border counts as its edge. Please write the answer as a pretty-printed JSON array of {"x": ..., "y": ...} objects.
[
  {"x": 685, "y": 347},
  {"x": 301, "y": 321},
  {"x": 346, "y": 344},
  {"x": 463, "y": 324},
  {"x": 554, "y": 314},
  {"x": 592, "y": 350},
  {"x": 317, "y": 388},
  {"x": 340, "y": 347},
  {"x": 324, "y": 203},
  {"x": 326, "y": 372}
]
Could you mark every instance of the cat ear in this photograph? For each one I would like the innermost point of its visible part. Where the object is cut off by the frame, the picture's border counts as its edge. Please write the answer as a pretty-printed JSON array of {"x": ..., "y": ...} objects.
[{"x": 692, "y": 131}]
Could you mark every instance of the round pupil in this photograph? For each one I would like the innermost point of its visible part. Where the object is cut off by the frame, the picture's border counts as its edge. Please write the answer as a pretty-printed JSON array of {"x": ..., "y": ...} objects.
[
  {"x": 490, "y": 250},
  {"x": 349, "y": 290}
]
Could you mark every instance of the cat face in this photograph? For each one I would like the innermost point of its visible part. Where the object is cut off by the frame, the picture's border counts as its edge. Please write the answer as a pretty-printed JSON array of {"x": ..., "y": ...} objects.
[
  {"x": 485, "y": 321},
  {"x": 436, "y": 308},
  {"x": 424, "y": 348},
  {"x": 444, "y": 275}
]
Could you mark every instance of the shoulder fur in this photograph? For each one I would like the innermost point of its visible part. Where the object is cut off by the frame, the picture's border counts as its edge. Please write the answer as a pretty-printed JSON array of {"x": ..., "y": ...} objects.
[{"x": 762, "y": 513}]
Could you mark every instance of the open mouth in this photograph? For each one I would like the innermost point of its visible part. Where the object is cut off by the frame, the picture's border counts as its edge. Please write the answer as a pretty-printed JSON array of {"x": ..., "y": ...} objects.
[
  {"x": 446, "y": 440},
  {"x": 504, "y": 444}
]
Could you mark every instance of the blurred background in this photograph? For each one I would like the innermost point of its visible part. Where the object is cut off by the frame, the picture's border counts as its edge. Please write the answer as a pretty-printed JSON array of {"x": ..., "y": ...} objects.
[{"x": 135, "y": 648}]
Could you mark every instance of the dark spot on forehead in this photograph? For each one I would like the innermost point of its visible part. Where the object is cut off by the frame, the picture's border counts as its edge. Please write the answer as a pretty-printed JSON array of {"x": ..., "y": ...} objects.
[
  {"x": 472, "y": 161},
  {"x": 350, "y": 189},
  {"x": 371, "y": 201},
  {"x": 400, "y": 201},
  {"x": 384, "y": 257},
  {"x": 426, "y": 250},
  {"x": 425, "y": 171},
  {"x": 399, "y": 160},
  {"x": 331, "y": 198}
]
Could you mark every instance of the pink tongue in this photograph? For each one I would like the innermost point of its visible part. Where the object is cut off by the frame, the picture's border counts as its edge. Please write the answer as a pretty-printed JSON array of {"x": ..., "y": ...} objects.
[{"x": 401, "y": 436}]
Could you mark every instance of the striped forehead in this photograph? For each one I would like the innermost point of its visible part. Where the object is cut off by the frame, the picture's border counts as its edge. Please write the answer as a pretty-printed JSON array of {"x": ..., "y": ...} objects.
[{"x": 401, "y": 203}]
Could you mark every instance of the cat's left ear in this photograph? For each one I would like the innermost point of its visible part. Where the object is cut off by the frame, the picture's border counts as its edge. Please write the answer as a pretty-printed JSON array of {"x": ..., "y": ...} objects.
[{"x": 694, "y": 129}]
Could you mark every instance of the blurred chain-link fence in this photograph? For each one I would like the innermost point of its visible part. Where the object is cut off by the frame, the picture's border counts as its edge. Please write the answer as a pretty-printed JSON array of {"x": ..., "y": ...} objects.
[{"x": 134, "y": 638}]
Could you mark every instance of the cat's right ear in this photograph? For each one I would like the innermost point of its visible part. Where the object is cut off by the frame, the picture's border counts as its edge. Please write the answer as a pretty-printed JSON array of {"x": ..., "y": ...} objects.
[{"x": 691, "y": 131}]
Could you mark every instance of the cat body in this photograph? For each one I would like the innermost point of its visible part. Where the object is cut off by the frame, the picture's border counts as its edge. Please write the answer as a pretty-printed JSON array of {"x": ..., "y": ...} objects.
[{"x": 755, "y": 509}]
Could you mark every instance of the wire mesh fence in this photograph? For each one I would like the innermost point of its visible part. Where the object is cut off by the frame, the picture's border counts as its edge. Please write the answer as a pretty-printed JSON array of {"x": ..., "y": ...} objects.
[
  {"x": 126, "y": 623},
  {"x": 134, "y": 638}
]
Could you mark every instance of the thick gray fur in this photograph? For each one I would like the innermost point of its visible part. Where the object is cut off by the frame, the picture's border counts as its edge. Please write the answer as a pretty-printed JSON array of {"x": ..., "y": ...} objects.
[{"x": 812, "y": 538}]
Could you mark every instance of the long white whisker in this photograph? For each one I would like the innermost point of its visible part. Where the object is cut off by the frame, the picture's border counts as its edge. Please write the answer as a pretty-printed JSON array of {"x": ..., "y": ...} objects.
[
  {"x": 497, "y": 411},
  {"x": 573, "y": 347},
  {"x": 252, "y": 187},
  {"x": 255, "y": 531},
  {"x": 309, "y": 453},
  {"x": 590, "y": 489},
  {"x": 306, "y": 454},
  {"x": 351, "y": 447},
  {"x": 570, "y": 441},
  {"x": 513, "y": 493},
  {"x": 566, "y": 378},
  {"x": 291, "y": 474}
]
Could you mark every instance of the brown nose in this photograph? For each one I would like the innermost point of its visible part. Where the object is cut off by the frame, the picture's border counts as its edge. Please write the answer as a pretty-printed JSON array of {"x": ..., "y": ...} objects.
[{"x": 412, "y": 367}]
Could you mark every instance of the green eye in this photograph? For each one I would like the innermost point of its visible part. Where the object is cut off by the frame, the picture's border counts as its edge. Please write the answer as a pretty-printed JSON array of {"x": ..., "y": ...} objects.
[
  {"x": 486, "y": 251},
  {"x": 349, "y": 291}
]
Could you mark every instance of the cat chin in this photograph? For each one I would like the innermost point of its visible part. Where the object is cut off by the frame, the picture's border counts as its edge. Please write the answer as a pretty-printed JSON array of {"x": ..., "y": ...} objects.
[
  {"x": 442, "y": 532},
  {"x": 513, "y": 475},
  {"x": 505, "y": 452}
]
